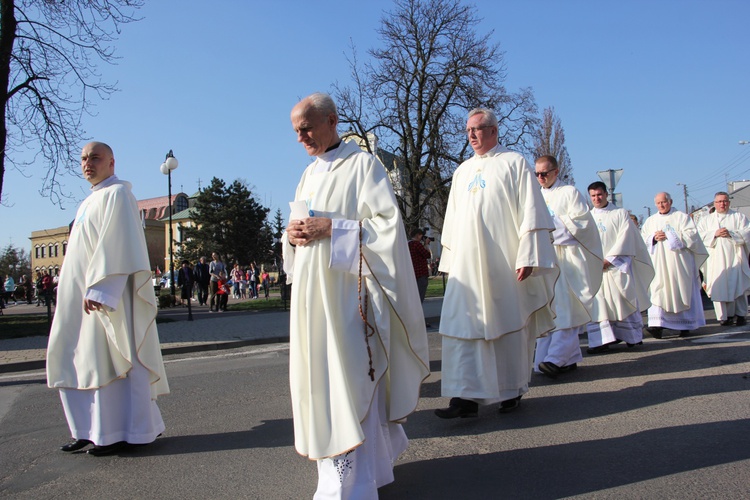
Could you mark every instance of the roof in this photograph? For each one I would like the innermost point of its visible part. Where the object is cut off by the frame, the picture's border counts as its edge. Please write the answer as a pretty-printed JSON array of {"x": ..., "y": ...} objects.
[{"x": 157, "y": 208}]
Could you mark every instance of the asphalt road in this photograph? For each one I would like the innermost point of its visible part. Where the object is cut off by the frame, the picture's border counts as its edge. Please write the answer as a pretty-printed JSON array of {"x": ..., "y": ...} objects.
[{"x": 668, "y": 420}]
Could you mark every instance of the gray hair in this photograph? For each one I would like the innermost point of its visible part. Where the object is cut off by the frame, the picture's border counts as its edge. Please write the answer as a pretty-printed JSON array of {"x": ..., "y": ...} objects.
[
  {"x": 721, "y": 193},
  {"x": 488, "y": 114},
  {"x": 669, "y": 196},
  {"x": 322, "y": 104}
]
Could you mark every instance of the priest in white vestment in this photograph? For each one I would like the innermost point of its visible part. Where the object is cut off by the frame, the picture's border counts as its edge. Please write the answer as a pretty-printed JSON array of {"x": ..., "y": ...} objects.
[
  {"x": 616, "y": 313},
  {"x": 579, "y": 255},
  {"x": 353, "y": 382},
  {"x": 501, "y": 269},
  {"x": 726, "y": 235},
  {"x": 677, "y": 252},
  {"x": 104, "y": 353}
]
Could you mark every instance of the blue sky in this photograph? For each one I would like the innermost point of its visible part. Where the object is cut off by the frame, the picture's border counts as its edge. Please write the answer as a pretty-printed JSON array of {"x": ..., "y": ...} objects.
[{"x": 657, "y": 88}]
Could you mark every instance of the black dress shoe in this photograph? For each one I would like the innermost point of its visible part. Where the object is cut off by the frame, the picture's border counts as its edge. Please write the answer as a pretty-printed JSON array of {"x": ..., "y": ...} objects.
[
  {"x": 727, "y": 322},
  {"x": 459, "y": 408},
  {"x": 655, "y": 331},
  {"x": 598, "y": 349},
  {"x": 741, "y": 321},
  {"x": 569, "y": 368},
  {"x": 633, "y": 345},
  {"x": 75, "y": 445},
  {"x": 100, "y": 451},
  {"x": 549, "y": 369},
  {"x": 509, "y": 405},
  {"x": 684, "y": 333}
]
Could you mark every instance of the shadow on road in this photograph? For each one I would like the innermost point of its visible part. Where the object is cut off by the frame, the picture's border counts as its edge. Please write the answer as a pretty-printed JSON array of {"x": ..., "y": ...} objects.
[
  {"x": 269, "y": 434},
  {"x": 566, "y": 470}
]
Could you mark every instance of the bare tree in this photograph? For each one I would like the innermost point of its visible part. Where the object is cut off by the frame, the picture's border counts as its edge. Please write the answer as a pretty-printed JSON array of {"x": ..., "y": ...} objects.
[
  {"x": 416, "y": 91},
  {"x": 48, "y": 55},
  {"x": 549, "y": 139}
]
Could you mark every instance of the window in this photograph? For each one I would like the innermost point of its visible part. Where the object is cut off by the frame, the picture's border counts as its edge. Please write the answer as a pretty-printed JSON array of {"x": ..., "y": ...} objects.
[
  {"x": 42, "y": 251},
  {"x": 36, "y": 252},
  {"x": 65, "y": 248},
  {"x": 180, "y": 203},
  {"x": 57, "y": 249}
]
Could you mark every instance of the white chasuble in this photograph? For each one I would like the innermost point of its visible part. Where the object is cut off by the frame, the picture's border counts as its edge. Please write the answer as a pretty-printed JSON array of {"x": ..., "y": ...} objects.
[
  {"x": 676, "y": 260},
  {"x": 625, "y": 282},
  {"x": 89, "y": 351},
  {"x": 495, "y": 223},
  {"x": 329, "y": 367},
  {"x": 726, "y": 272},
  {"x": 579, "y": 254}
]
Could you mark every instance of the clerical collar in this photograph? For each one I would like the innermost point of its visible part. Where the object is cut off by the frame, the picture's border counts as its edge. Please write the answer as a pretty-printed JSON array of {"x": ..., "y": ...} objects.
[
  {"x": 325, "y": 160},
  {"x": 335, "y": 146},
  {"x": 106, "y": 182}
]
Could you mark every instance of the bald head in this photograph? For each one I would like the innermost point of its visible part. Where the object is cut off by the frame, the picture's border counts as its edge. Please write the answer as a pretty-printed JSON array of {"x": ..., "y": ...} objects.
[{"x": 97, "y": 162}]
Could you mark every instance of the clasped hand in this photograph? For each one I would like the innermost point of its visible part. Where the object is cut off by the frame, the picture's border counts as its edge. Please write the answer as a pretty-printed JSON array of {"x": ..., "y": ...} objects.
[
  {"x": 302, "y": 232},
  {"x": 660, "y": 236}
]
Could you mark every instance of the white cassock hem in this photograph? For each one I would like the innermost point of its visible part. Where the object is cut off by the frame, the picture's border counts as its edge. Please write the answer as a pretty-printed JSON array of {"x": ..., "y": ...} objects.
[
  {"x": 358, "y": 473},
  {"x": 120, "y": 411},
  {"x": 487, "y": 371},
  {"x": 629, "y": 330},
  {"x": 561, "y": 347},
  {"x": 689, "y": 319}
]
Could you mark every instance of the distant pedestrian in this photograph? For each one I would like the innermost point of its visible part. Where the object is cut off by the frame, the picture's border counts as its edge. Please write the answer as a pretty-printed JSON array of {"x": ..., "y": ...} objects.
[
  {"x": 215, "y": 268},
  {"x": 252, "y": 278},
  {"x": 222, "y": 293},
  {"x": 10, "y": 287},
  {"x": 185, "y": 281},
  {"x": 237, "y": 276},
  {"x": 264, "y": 282},
  {"x": 202, "y": 276}
]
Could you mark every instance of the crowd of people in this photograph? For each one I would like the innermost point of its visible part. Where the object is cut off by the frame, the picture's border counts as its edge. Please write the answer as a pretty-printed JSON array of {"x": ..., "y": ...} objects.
[
  {"x": 211, "y": 284},
  {"x": 530, "y": 267},
  {"x": 43, "y": 289}
]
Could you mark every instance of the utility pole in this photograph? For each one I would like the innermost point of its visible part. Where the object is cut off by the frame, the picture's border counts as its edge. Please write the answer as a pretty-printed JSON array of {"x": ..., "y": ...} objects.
[{"x": 684, "y": 192}]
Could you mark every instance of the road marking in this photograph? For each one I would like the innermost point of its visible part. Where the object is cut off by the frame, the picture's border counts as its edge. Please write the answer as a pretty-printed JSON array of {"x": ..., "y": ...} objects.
[
  {"x": 722, "y": 338},
  {"x": 258, "y": 352}
]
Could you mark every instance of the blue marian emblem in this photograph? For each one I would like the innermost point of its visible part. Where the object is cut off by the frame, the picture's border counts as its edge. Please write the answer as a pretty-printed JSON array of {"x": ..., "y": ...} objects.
[
  {"x": 80, "y": 219},
  {"x": 601, "y": 227},
  {"x": 477, "y": 183}
]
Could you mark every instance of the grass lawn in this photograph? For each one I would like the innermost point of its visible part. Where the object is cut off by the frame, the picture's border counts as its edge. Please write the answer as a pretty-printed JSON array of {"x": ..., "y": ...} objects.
[
  {"x": 435, "y": 286},
  {"x": 261, "y": 304},
  {"x": 17, "y": 326}
]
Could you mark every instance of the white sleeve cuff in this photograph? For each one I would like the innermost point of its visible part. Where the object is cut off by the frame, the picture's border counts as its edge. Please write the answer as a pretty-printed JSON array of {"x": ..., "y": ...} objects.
[
  {"x": 621, "y": 263},
  {"x": 108, "y": 291}
]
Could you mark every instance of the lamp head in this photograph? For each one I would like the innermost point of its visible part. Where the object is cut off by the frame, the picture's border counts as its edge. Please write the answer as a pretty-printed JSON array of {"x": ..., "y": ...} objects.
[{"x": 171, "y": 161}]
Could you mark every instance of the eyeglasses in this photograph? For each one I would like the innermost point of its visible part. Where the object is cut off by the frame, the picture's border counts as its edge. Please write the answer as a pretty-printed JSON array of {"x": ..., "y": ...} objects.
[
  {"x": 544, "y": 175},
  {"x": 474, "y": 130}
]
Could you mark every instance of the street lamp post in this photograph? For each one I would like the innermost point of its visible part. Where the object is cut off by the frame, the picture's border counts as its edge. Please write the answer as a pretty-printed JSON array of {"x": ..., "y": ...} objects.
[
  {"x": 649, "y": 210},
  {"x": 170, "y": 163}
]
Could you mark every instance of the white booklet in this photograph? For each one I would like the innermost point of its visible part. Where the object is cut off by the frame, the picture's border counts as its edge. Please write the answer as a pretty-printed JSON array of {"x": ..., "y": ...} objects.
[{"x": 299, "y": 210}]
